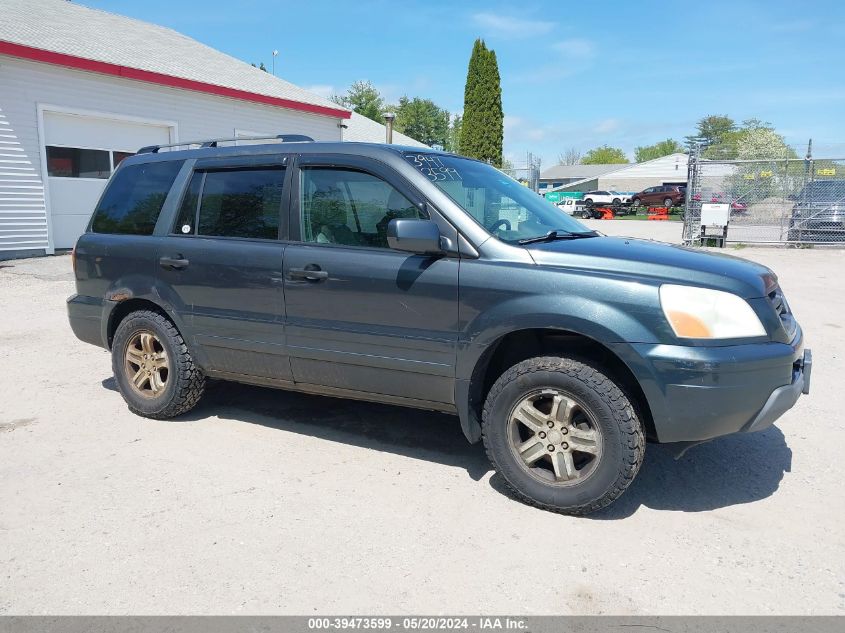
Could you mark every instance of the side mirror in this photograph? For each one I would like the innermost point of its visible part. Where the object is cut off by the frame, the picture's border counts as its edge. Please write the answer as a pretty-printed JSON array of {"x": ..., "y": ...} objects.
[{"x": 414, "y": 236}]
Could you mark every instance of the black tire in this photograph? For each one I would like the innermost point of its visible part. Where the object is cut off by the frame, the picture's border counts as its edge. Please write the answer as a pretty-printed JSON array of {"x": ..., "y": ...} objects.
[
  {"x": 588, "y": 203},
  {"x": 636, "y": 202},
  {"x": 617, "y": 203},
  {"x": 621, "y": 435},
  {"x": 668, "y": 203},
  {"x": 586, "y": 214},
  {"x": 185, "y": 381}
]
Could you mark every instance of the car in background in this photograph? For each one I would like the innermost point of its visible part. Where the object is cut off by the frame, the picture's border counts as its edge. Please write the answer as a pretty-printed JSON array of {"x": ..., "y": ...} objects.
[
  {"x": 738, "y": 208},
  {"x": 605, "y": 198},
  {"x": 662, "y": 195},
  {"x": 819, "y": 212}
]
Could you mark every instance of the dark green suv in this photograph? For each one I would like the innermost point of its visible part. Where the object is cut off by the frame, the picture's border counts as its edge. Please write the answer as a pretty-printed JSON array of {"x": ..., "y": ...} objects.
[{"x": 424, "y": 279}]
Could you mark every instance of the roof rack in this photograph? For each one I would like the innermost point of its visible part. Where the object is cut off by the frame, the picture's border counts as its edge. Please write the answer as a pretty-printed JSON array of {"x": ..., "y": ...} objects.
[{"x": 284, "y": 138}]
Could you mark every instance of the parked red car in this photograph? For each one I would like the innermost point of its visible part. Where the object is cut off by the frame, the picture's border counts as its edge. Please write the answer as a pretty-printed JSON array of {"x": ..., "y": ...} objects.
[
  {"x": 664, "y": 195},
  {"x": 737, "y": 207}
]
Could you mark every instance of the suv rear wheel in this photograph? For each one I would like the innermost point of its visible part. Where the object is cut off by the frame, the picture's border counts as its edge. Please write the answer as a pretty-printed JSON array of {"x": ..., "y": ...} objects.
[
  {"x": 153, "y": 368},
  {"x": 563, "y": 435}
]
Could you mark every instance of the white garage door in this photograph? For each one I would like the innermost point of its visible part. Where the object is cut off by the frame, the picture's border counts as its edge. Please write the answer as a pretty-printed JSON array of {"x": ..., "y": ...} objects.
[{"x": 82, "y": 152}]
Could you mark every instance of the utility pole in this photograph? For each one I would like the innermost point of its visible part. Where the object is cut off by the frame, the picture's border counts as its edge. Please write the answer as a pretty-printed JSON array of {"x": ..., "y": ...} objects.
[{"x": 275, "y": 54}]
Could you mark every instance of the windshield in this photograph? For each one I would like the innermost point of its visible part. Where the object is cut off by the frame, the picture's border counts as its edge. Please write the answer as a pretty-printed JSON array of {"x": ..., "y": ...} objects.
[{"x": 507, "y": 209}]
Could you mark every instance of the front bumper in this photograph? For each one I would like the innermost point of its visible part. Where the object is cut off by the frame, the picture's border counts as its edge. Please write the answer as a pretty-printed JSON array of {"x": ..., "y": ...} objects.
[
  {"x": 699, "y": 393},
  {"x": 784, "y": 398}
]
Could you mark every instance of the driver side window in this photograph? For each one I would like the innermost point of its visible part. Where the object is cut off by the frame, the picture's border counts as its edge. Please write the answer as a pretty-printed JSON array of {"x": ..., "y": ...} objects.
[{"x": 349, "y": 207}]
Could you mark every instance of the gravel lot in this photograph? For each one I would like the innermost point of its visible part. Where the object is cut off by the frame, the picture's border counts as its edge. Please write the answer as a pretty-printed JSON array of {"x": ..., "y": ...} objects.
[{"x": 262, "y": 501}]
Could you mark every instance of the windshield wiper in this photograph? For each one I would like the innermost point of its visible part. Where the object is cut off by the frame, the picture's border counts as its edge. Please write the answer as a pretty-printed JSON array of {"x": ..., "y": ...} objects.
[{"x": 558, "y": 234}]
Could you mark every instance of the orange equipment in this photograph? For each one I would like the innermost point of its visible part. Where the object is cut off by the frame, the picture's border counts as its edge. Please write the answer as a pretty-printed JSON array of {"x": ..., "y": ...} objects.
[{"x": 658, "y": 213}]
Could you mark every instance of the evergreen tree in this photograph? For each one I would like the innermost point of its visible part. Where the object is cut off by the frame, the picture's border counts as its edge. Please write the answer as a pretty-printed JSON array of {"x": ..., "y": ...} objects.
[{"x": 482, "y": 129}]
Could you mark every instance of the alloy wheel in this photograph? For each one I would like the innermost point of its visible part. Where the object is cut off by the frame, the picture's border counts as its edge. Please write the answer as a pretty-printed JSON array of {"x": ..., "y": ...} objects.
[
  {"x": 555, "y": 438},
  {"x": 147, "y": 365}
]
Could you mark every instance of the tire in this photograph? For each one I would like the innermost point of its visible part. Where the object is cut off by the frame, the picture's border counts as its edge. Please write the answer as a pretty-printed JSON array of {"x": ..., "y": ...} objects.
[
  {"x": 173, "y": 384},
  {"x": 586, "y": 214},
  {"x": 616, "y": 203},
  {"x": 589, "y": 203},
  {"x": 636, "y": 202},
  {"x": 599, "y": 409},
  {"x": 668, "y": 203}
]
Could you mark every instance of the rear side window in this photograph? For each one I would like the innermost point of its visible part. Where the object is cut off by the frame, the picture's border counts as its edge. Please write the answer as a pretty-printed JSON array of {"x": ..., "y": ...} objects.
[
  {"x": 133, "y": 199},
  {"x": 233, "y": 203}
]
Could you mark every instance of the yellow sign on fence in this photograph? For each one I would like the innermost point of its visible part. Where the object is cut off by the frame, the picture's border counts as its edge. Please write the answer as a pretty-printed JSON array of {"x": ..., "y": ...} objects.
[
  {"x": 765, "y": 174},
  {"x": 827, "y": 171}
]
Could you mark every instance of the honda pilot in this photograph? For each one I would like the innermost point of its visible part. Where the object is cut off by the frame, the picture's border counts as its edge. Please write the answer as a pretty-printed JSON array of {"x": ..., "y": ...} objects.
[{"x": 423, "y": 279}]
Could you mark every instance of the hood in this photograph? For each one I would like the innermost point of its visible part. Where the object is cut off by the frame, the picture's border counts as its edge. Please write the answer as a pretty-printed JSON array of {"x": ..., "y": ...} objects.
[{"x": 663, "y": 263}]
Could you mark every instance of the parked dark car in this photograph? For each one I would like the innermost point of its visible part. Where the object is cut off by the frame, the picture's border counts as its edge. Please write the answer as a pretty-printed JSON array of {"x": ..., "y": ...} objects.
[
  {"x": 663, "y": 195},
  {"x": 424, "y": 279},
  {"x": 819, "y": 212}
]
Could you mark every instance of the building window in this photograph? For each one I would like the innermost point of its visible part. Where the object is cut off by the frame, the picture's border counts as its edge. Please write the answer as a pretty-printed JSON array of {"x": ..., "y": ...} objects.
[
  {"x": 76, "y": 162},
  {"x": 73, "y": 162},
  {"x": 117, "y": 157}
]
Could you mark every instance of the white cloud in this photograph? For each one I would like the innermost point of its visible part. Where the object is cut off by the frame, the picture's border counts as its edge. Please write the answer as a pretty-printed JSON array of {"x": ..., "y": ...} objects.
[
  {"x": 578, "y": 48},
  {"x": 606, "y": 126},
  {"x": 323, "y": 90},
  {"x": 510, "y": 27}
]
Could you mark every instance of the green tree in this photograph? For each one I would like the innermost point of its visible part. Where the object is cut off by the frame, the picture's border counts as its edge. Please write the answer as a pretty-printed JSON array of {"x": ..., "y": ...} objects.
[
  {"x": 711, "y": 129},
  {"x": 260, "y": 66},
  {"x": 453, "y": 142},
  {"x": 364, "y": 98},
  {"x": 658, "y": 150},
  {"x": 482, "y": 129},
  {"x": 604, "y": 155},
  {"x": 422, "y": 120},
  {"x": 754, "y": 140}
]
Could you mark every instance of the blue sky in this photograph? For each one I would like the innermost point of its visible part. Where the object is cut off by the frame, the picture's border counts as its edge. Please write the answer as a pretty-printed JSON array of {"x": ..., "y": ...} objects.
[{"x": 574, "y": 74}]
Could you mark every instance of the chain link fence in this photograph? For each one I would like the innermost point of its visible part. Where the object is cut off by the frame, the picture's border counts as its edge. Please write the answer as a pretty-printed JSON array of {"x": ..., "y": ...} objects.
[
  {"x": 779, "y": 201},
  {"x": 528, "y": 172}
]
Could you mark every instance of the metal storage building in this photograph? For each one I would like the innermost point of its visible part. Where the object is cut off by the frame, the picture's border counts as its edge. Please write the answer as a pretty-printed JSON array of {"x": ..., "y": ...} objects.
[{"x": 80, "y": 89}]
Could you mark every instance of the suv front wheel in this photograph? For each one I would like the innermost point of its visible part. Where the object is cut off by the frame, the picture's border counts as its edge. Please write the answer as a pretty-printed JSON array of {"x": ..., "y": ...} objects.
[
  {"x": 563, "y": 435},
  {"x": 153, "y": 367}
]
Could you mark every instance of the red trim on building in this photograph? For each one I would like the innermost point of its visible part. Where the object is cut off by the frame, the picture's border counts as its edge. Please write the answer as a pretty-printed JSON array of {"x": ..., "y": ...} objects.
[{"x": 105, "y": 68}]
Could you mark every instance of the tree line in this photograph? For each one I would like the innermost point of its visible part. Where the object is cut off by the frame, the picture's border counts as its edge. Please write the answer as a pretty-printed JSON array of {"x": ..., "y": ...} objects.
[
  {"x": 718, "y": 136},
  {"x": 478, "y": 132}
]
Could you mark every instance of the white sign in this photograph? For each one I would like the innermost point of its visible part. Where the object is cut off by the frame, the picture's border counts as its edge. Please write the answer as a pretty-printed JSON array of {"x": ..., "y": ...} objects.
[{"x": 715, "y": 214}]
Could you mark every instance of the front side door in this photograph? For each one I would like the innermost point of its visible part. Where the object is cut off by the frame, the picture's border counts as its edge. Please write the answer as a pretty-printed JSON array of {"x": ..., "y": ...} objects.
[
  {"x": 650, "y": 195},
  {"x": 222, "y": 259},
  {"x": 360, "y": 316}
]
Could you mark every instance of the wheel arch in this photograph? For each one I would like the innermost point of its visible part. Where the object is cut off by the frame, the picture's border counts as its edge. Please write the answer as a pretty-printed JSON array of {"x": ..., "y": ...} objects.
[{"x": 520, "y": 344}]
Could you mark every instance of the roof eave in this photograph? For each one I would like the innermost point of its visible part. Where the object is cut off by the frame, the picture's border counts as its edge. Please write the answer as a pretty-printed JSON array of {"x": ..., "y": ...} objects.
[{"x": 105, "y": 68}]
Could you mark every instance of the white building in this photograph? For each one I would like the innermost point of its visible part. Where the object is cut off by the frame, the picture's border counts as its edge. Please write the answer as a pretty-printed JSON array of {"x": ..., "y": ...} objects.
[
  {"x": 80, "y": 89},
  {"x": 627, "y": 177}
]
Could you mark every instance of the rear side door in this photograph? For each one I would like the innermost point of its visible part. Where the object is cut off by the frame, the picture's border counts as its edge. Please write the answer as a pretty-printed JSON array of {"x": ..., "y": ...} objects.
[
  {"x": 222, "y": 259},
  {"x": 360, "y": 316}
]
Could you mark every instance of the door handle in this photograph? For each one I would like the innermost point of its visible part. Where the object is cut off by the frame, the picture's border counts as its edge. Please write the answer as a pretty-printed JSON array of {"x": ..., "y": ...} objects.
[
  {"x": 176, "y": 263},
  {"x": 311, "y": 272}
]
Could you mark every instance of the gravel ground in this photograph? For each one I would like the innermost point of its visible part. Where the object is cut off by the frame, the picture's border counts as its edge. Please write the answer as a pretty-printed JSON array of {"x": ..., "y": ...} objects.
[{"x": 262, "y": 501}]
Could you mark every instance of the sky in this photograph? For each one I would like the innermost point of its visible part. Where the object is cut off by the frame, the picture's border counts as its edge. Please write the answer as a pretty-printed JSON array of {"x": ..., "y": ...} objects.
[{"x": 574, "y": 74}]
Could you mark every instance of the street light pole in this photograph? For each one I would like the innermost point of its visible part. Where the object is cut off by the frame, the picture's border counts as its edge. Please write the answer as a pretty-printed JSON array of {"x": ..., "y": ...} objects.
[{"x": 275, "y": 53}]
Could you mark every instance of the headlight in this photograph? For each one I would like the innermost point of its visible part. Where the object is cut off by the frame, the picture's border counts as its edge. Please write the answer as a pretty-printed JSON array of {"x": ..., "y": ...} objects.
[{"x": 704, "y": 313}]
